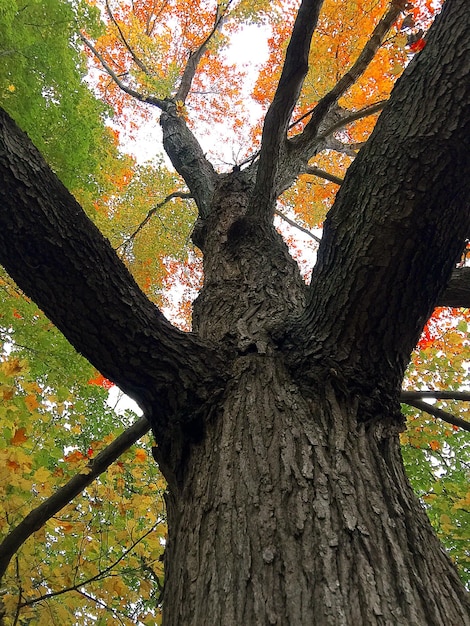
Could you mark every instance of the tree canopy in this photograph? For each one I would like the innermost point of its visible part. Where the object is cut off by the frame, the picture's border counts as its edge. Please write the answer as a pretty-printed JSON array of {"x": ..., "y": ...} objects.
[{"x": 396, "y": 222}]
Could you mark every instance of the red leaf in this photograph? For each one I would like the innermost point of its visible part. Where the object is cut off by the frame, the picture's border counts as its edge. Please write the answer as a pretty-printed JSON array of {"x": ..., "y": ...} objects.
[
  {"x": 417, "y": 45},
  {"x": 101, "y": 381}
]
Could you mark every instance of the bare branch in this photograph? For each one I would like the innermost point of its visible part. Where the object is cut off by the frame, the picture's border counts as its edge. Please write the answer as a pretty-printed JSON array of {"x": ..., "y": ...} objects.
[
  {"x": 463, "y": 396},
  {"x": 316, "y": 171},
  {"x": 443, "y": 415},
  {"x": 99, "y": 576},
  {"x": 295, "y": 225},
  {"x": 153, "y": 210},
  {"x": 47, "y": 509},
  {"x": 352, "y": 75},
  {"x": 161, "y": 104},
  {"x": 279, "y": 113},
  {"x": 196, "y": 56},
  {"x": 135, "y": 58}
]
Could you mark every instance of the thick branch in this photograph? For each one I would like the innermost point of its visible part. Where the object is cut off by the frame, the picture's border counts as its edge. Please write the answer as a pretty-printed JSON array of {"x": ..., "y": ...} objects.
[
  {"x": 436, "y": 412},
  {"x": 440, "y": 395},
  {"x": 279, "y": 113},
  {"x": 47, "y": 509},
  {"x": 400, "y": 218},
  {"x": 353, "y": 116},
  {"x": 60, "y": 259},
  {"x": 188, "y": 158}
]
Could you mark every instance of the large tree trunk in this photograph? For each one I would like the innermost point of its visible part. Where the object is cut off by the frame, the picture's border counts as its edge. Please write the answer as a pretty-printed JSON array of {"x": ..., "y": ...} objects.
[
  {"x": 292, "y": 506},
  {"x": 292, "y": 510},
  {"x": 277, "y": 420}
]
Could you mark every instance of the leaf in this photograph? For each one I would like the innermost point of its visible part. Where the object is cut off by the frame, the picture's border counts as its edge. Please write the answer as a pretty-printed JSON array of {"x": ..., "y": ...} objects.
[{"x": 19, "y": 437}]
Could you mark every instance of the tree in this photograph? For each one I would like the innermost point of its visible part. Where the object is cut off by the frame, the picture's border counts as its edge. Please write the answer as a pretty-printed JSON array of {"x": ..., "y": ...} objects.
[{"x": 277, "y": 418}]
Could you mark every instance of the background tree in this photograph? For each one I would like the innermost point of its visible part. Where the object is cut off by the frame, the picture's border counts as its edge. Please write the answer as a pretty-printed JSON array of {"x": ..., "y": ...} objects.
[{"x": 277, "y": 418}]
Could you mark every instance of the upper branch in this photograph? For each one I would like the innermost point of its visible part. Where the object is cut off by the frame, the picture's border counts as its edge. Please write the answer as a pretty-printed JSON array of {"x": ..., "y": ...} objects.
[
  {"x": 158, "y": 102},
  {"x": 179, "y": 142},
  {"x": 196, "y": 56},
  {"x": 140, "y": 64},
  {"x": 364, "y": 59},
  {"x": 279, "y": 113},
  {"x": 61, "y": 260}
]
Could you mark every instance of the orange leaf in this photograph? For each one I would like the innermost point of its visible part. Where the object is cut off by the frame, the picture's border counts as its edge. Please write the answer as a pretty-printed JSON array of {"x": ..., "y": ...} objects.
[
  {"x": 434, "y": 445},
  {"x": 140, "y": 455},
  {"x": 101, "y": 381},
  {"x": 19, "y": 437},
  {"x": 31, "y": 402}
]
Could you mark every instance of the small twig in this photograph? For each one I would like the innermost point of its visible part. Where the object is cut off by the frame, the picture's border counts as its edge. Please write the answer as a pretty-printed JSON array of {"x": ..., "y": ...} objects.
[{"x": 99, "y": 576}]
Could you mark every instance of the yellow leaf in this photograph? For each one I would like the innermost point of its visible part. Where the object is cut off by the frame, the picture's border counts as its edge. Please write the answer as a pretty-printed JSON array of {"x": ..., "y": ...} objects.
[{"x": 31, "y": 402}]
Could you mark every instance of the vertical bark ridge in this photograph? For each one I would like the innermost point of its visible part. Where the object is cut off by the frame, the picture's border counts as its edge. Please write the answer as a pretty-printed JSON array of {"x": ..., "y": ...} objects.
[{"x": 303, "y": 516}]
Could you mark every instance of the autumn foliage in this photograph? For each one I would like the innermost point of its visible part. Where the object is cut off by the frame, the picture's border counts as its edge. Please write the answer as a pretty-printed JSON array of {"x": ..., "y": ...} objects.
[{"x": 99, "y": 559}]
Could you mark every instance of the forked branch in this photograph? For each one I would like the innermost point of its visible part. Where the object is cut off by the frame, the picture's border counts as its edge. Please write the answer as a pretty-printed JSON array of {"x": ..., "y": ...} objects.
[
  {"x": 352, "y": 75},
  {"x": 158, "y": 102},
  {"x": 140, "y": 64},
  {"x": 196, "y": 56}
]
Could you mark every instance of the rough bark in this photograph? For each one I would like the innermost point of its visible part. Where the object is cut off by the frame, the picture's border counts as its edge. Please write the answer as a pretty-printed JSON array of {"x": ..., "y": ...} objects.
[
  {"x": 276, "y": 418},
  {"x": 295, "y": 511}
]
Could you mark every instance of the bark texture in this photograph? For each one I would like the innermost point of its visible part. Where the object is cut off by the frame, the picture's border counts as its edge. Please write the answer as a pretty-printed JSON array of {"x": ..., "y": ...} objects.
[
  {"x": 294, "y": 511},
  {"x": 277, "y": 419}
]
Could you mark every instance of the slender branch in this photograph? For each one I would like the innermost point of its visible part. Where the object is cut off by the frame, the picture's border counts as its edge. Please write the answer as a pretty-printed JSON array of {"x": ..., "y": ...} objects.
[
  {"x": 352, "y": 75},
  {"x": 196, "y": 56},
  {"x": 103, "y": 605},
  {"x": 153, "y": 210},
  {"x": 443, "y": 415},
  {"x": 280, "y": 111},
  {"x": 295, "y": 225},
  {"x": 158, "y": 102},
  {"x": 99, "y": 576},
  {"x": 316, "y": 171},
  {"x": 353, "y": 116},
  {"x": 47, "y": 509},
  {"x": 463, "y": 396},
  {"x": 135, "y": 58}
]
